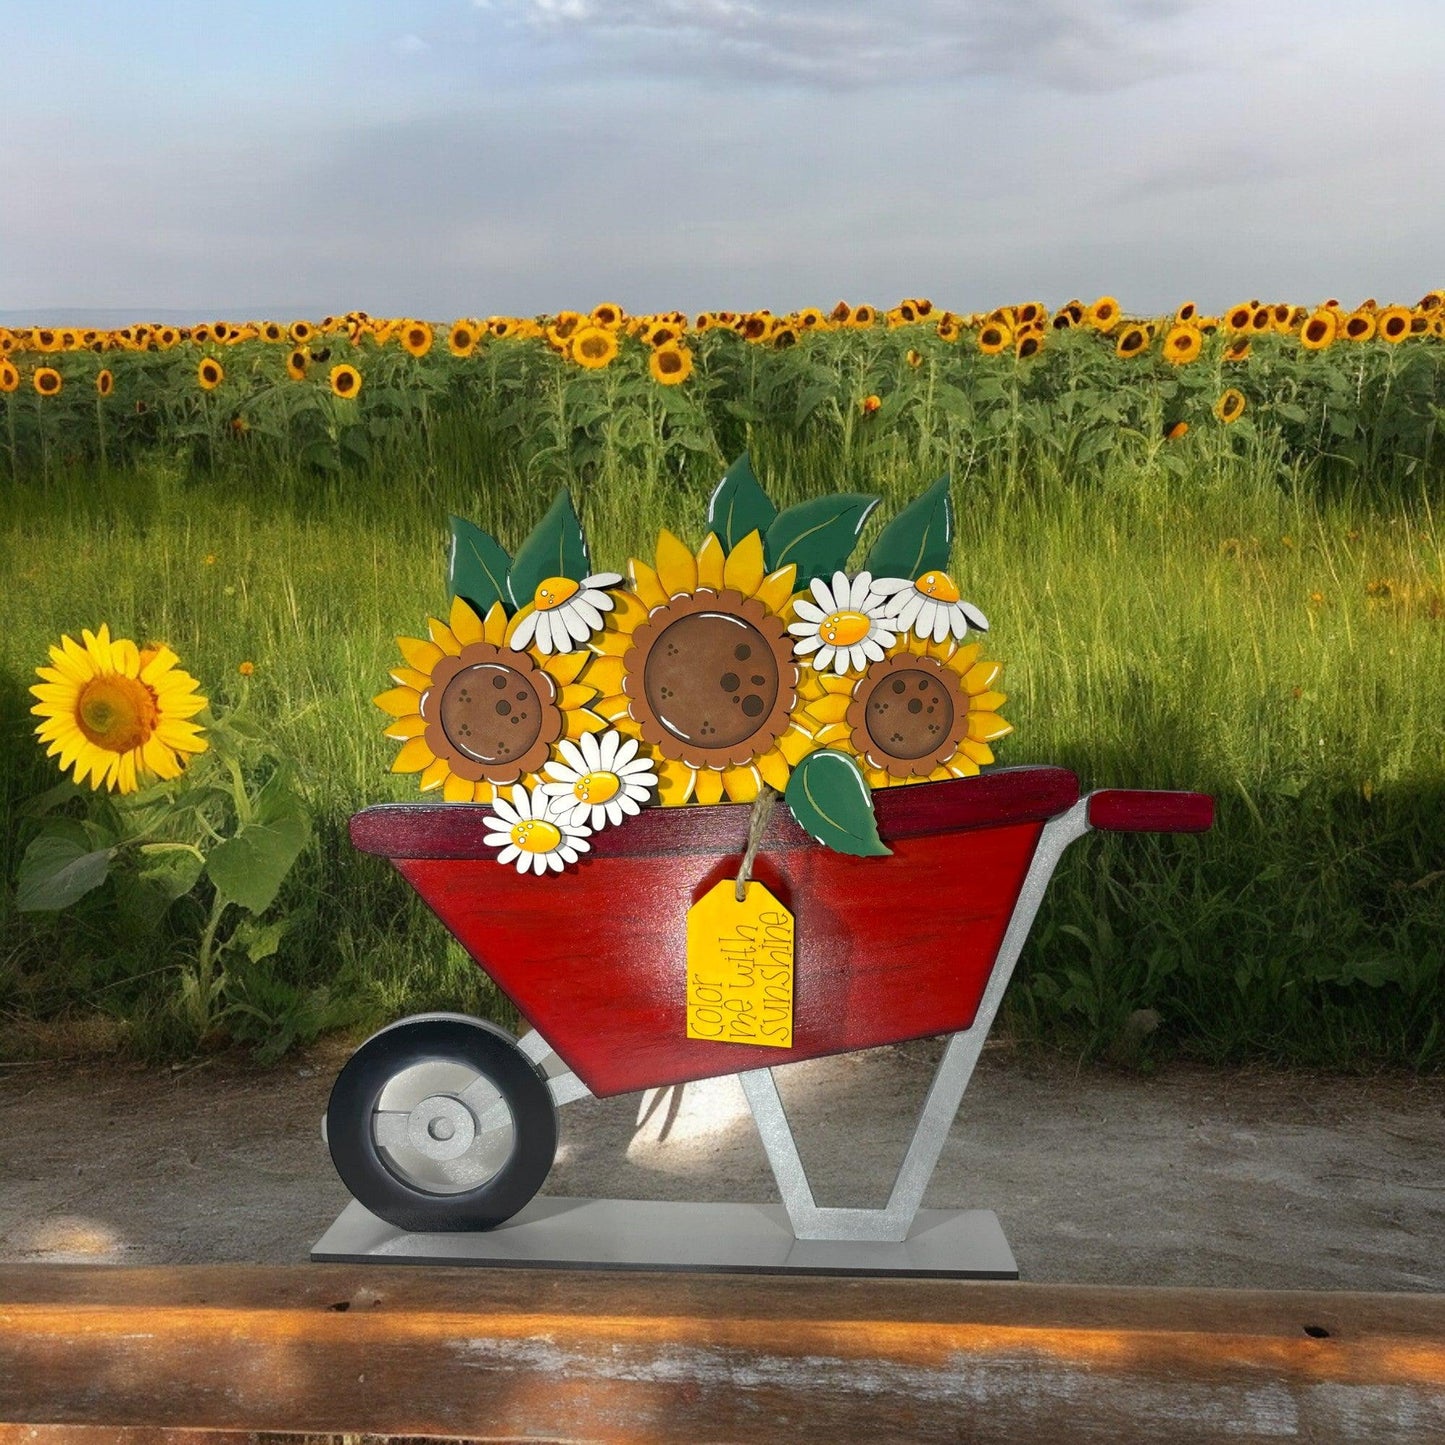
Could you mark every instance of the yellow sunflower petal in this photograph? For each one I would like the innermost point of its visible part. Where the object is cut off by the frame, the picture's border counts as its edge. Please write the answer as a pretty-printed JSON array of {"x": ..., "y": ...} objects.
[
  {"x": 410, "y": 677},
  {"x": 979, "y": 753},
  {"x": 710, "y": 558},
  {"x": 605, "y": 675},
  {"x": 160, "y": 759},
  {"x": 412, "y": 726},
  {"x": 613, "y": 708},
  {"x": 648, "y": 588},
  {"x": 878, "y": 778},
  {"x": 709, "y": 787},
  {"x": 773, "y": 767},
  {"x": 613, "y": 644},
  {"x": 745, "y": 567},
  {"x": 455, "y": 789},
  {"x": 676, "y": 566},
  {"x": 413, "y": 757},
  {"x": 776, "y": 588},
  {"x": 515, "y": 622},
  {"x": 962, "y": 766},
  {"x": 831, "y": 682},
  {"x": 741, "y": 784},
  {"x": 796, "y": 744},
  {"x": 159, "y": 666},
  {"x": 833, "y": 733},
  {"x": 982, "y": 676},
  {"x": 483, "y": 793},
  {"x": 67, "y": 668},
  {"x": 125, "y": 776},
  {"x": 494, "y": 629},
  {"x": 984, "y": 727},
  {"x": 575, "y": 695},
  {"x": 125, "y": 658},
  {"x": 420, "y": 653},
  {"x": 582, "y": 721},
  {"x": 443, "y": 636},
  {"x": 675, "y": 783},
  {"x": 831, "y": 708},
  {"x": 465, "y": 624},
  {"x": 627, "y": 611},
  {"x": 567, "y": 667},
  {"x": 399, "y": 701},
  {"x": 435, "y": 774},
  {"x": 989, "y": 701},
  {"x": 964, "y": 659},
  {"x": 97, "y": 644}
]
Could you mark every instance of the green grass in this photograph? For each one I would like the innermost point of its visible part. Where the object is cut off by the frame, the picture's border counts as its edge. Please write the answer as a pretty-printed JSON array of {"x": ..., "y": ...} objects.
[{"x": 1213, "y": 624}]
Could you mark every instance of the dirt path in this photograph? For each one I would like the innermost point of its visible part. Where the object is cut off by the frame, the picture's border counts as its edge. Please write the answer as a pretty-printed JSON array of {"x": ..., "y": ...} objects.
[{"x": 1193, "y": 1177}]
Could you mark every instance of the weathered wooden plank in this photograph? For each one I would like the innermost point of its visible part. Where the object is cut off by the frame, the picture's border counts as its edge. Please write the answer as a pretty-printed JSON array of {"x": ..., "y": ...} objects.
[{"x": 499, "y": 1354}]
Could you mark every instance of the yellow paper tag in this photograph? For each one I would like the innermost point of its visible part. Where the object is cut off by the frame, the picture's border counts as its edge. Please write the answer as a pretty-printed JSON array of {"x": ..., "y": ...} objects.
[{"x": 740, "y": 968}]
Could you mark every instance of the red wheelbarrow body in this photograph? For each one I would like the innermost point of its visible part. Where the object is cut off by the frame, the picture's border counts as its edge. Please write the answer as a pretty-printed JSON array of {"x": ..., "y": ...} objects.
[{"x": 887, "y": 949}]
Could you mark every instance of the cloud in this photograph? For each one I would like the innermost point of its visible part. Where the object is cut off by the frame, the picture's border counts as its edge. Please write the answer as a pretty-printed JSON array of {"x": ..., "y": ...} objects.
[
  {"x": 410, "y": 45},
  {"x": 1078, "y": 45}
]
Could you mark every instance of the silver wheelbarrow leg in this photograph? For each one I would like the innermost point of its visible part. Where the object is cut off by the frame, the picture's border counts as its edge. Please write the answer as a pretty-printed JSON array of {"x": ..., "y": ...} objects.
[{"x": 893, "y": 1222}]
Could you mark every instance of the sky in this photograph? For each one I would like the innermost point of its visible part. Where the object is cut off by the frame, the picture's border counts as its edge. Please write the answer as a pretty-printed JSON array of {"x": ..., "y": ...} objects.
[{"x": 443, "y": 158}]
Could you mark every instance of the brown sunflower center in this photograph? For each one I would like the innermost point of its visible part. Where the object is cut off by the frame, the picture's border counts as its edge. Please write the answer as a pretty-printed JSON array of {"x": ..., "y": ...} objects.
[
  {"x": 909, "y": 714},
  {"x": 491, "y": 713},
  {"x": 711, "y": 679},
  {"x": 116, "y": 713}
]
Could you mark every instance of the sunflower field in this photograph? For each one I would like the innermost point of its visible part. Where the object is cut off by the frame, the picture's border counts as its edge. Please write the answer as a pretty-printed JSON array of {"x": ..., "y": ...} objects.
[{"x": 1207, "y": 545}]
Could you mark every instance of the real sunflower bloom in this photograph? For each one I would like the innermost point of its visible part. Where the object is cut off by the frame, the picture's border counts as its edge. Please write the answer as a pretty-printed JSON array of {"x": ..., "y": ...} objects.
[
  {"x": 474, "y": 713},
  {"x": 47, "y": 381},
  {"x": 670, "y": 364},
  {"x": 273, "y": 331},
  {"x": 1103, "y": 315},
  {"x": 994, "y": 338},
  {"x": 1319, "y": 331},
  {"x": 593, "y": 347},
  {"x": 1133, "y": 341},
  {"x": 1238, "y": 349},
  {"x": 863, "y": 316},
  {"x": 1028, "y": 343},
  {"x": 1239, "y": 318},
  {"x": 1230, "y": 406},
  {"x": 301, "y": 332},
  {"x": 609, "y": 313},
  {"x": 926, "y": 712},
  {"x": 1393, "y": 324},
  {"x": 296, "y": 364},
  {"x": 1182, "y": 345},
  {"x": 1358, "y": 326},
  {"x": 116, "y": 714},
  {"x": 209, "y": 374},
  {"x": 1173, "y": 430},
  {"x": 9, "y": 376},
  {"x": 462, "y": 338},
  {"x": 696, "y": 662},
  {"x": 1187, "y": 312},
  {"x": 345, "y": 380},
  {"x": 948, "y": 328},
  {"x": 417, "y": 337},
  {"x": 104, "y": 382}
]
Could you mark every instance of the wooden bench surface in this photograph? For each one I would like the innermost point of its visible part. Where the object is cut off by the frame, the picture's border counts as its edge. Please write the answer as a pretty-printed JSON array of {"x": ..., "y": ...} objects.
[{"x": 504, "y": 1354}]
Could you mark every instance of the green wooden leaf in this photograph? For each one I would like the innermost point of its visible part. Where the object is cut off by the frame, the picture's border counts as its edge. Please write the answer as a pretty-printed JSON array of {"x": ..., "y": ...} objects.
[
  {"x": 918, "y": 539},
  {"x": 739, "y": 505},
  {"x": 57, "y": 870},
  {"x": 819, "y": 536},
  {"x": 555, "y": 548},
  {"x": 477, "y": 567},
  {"x": 834, "y": 804}
]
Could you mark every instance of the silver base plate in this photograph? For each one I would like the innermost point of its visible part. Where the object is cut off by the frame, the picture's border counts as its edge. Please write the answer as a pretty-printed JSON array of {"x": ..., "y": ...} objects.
[{"x": 654, "y": 1234}]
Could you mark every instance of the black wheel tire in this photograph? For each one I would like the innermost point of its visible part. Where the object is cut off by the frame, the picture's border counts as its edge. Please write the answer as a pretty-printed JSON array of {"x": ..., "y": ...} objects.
[{"x": 455, "y": 1039}]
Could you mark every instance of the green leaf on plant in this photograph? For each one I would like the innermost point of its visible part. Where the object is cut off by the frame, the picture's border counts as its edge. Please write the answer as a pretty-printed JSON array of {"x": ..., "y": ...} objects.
[
  {"x": 739, "y": 505},
  {"x": 834, "y": 804},
  {"x": 260, "y": 940},
  {"x": 249, "y": 867},
  {"x": 918, "y": 539},
  {"x": 818, "y": 536},
  {"x": 477, "y": 567},
  {"x": 57, "y": 870},
  {"x": 174, "y": 870},
  {"x": 555, "y": 548}
]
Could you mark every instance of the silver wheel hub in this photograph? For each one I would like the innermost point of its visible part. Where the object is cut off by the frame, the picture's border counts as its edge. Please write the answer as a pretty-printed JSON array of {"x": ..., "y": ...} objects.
[{"x": 441, "y": 1127}]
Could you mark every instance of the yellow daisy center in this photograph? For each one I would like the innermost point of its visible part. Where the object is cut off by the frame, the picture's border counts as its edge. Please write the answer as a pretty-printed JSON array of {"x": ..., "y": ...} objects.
[
  {"x": 937, "y": 585},
  {"x": 536, "y": 835},
  {"x": 843, "y": 629},
  {"x": 596, "y": 787},
  {"x": 116, "y": 713},
  {"x": 553, "y": 592}
]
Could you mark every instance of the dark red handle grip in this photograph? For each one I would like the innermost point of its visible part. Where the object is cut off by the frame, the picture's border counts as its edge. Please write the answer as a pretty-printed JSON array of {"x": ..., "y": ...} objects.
[{"x": 1124, "y": 810}]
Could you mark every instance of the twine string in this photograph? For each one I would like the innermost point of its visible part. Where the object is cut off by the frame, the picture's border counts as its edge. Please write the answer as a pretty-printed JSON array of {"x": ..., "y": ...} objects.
[{"x": 757, "y": 826}]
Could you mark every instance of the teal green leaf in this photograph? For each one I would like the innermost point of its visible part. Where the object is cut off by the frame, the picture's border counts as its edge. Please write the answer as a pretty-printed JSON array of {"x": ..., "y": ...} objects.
[
  {"x": 555, "y": 548},
  {"x": 477, "y": 567},
  {"x": 818, "y": 536},
  {"x": 834, "y": 804},
  {"x": 918, "y": 539},
  {"x": 57, "y": 870},
  {"x": 739, "y": 505}
]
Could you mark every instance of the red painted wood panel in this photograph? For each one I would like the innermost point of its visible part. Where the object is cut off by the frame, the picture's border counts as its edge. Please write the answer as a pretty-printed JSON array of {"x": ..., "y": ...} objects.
[{"x": 1126, "y": 810}]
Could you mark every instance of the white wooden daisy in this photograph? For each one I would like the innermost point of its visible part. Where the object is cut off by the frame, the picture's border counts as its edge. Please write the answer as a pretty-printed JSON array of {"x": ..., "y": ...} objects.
[
  {"x": 929, "y": 607},
  {"x": 845, "y": 627},
  {"x": 565, "y": 613},
  {"x": 531, "y": 835},
  {"x": 598, "y": 779}
]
